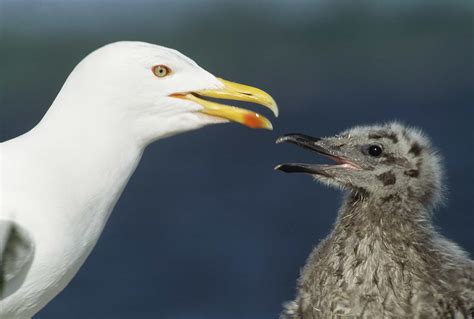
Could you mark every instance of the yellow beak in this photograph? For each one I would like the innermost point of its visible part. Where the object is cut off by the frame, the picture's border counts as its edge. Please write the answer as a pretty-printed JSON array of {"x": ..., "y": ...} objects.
[{"x": 239, "y": 92}]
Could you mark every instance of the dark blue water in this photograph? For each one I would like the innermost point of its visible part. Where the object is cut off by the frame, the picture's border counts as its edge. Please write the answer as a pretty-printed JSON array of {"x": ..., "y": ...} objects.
[{"x": 206, "y": 228}]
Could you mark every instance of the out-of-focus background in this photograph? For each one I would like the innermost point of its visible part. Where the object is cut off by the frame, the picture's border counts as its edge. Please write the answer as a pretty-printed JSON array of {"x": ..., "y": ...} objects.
[{"x": 206, "y": 228}]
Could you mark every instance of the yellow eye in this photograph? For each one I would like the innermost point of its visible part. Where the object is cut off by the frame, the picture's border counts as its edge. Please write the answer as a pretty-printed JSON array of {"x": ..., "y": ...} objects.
[{"x": 161, "y": 70}]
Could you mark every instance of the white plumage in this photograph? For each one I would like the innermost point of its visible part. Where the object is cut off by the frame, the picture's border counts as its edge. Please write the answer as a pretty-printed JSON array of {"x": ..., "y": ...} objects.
[{"x": 61, "y": 180}]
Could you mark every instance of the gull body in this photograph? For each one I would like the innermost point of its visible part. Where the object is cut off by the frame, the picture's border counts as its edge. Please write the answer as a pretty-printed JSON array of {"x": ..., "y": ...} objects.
[
  {"x": 383, "y": 258},
  {"x": 61, "y": 180}
]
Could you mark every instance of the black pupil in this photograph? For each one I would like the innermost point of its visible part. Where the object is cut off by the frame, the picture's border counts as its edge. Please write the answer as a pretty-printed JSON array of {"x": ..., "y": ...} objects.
[{"x": 375, "y": 150}]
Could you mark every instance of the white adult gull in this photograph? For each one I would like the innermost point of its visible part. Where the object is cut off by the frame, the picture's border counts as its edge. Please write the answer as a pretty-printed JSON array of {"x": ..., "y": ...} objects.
[{"x": 61, "y": 180}]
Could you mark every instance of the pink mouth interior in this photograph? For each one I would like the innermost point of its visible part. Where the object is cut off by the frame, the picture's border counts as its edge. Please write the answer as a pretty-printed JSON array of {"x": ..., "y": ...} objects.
[{"x": 343, "y": 163}]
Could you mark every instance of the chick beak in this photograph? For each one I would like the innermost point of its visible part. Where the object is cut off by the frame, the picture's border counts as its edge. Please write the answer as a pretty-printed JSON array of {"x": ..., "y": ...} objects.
[{"x": 320, "y": 146}]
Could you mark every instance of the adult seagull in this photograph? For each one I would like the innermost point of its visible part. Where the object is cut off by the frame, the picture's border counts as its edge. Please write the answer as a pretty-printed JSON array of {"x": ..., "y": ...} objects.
[{"x": 61, "y": 180}]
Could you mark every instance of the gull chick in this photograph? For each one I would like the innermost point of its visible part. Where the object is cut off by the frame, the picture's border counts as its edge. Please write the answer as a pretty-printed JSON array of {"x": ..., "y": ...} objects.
[
  {"x": 61, "y": 180},
  {"x": 383, "y": 258}
]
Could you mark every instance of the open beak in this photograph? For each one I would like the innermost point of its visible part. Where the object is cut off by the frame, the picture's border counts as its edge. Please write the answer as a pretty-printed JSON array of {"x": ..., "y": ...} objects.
[
  {"x": 319, "y": 146},
  {"x": 238, "y": 92}
]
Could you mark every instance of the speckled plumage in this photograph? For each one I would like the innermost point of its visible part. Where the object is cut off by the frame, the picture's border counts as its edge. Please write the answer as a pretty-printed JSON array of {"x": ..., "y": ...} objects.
[{"x": 384, "y": 258}]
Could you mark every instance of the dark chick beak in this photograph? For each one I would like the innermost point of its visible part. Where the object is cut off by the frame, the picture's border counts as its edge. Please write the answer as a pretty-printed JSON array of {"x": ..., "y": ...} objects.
[
  {"x": 304, "y": 141},
  {"x": 299, "y": 168},
  {"x": 298, "y": 139},
  {"x": 294, "y": 168},
  {"x": 318, "y": 145}
]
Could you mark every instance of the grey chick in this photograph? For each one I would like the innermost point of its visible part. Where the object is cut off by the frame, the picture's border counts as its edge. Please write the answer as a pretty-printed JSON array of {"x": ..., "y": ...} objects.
[{"x": 383, "y": 258}]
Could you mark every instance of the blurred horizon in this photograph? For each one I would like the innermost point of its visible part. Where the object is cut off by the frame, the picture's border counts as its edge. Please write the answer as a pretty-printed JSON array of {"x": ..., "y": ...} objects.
[{"x": 218, "y": 234}]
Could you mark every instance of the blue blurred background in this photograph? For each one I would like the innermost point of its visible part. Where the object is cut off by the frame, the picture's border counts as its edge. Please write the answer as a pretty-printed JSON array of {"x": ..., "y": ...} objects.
[{"x": 206, "y": 228}]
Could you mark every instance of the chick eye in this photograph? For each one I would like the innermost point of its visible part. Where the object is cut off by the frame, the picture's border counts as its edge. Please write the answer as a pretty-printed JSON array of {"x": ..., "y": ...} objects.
[
  {"x": 161, "y": 70},
  {"x": 374, "y": 150}
]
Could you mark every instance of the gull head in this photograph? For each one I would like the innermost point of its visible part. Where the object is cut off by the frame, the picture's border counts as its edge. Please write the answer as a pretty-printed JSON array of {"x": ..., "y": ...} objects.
[
  {"x": 388, "y": 161},
  {"x": 153, "y": 92}
]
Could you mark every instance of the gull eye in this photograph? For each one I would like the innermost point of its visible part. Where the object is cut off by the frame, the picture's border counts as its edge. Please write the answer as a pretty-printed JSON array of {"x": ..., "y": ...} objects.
[
  {"x": 374, "y": 150},
  {"x": 161, "y": 70}
]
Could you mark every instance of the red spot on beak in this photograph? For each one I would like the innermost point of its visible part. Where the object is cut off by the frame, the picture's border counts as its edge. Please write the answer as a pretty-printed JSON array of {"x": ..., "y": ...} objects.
[{"x": 254, "y": 120}]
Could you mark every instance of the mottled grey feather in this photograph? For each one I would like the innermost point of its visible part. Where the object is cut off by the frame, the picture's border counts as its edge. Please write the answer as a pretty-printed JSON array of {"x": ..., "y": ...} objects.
[{"x": 16, "y": 252}]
